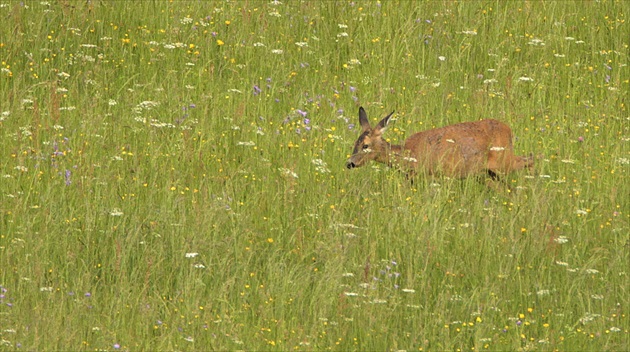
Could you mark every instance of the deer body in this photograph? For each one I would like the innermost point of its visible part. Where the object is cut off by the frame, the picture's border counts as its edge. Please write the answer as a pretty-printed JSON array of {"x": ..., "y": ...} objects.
[{"x": 459, "y": 150}]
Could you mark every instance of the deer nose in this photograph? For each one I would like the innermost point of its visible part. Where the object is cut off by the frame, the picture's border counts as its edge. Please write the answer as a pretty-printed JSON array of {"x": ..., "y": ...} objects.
[{"x": 350, "y": 165}]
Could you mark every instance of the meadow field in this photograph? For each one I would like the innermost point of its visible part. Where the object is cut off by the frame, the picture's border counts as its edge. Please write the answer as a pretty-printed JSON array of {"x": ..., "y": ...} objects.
[{"x": 172, "y": 176}]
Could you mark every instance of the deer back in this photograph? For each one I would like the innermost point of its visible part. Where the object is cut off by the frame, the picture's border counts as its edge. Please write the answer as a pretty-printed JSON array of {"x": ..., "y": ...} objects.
[{"x": 459, "y": 150}]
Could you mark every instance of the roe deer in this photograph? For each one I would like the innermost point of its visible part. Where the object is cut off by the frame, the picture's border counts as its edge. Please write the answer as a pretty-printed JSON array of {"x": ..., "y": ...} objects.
[{"x": 460, "y": 150}]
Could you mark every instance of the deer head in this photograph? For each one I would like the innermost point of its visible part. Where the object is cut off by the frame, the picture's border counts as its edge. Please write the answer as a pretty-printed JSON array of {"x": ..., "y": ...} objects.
[{"x": 370, "y": 145}]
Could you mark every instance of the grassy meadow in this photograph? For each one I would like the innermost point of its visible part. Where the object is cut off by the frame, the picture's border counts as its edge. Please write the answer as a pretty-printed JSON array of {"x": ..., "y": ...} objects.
[{"x": 172, "y": 176}]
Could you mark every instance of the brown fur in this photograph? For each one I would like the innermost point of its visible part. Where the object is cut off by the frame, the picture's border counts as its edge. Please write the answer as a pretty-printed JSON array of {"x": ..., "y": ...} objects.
[{"x": 461, "y": 150}]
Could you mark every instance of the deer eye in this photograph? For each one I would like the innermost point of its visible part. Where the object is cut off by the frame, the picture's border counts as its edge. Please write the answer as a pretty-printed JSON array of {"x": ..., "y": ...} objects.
[{"x": 365, "y": 146}]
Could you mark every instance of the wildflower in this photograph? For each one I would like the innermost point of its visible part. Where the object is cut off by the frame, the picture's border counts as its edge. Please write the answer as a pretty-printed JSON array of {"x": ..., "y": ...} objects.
[
  {"x": 247, "y": 144},
  {"x": 561, "y": 240},
  {"x": 116, "y": 346},
  {"x": 191, "y": 255},
  {"x": 220, "y": 42},
  {"x": 257, "y": 90},
  {"x": 67, "y": 178}
]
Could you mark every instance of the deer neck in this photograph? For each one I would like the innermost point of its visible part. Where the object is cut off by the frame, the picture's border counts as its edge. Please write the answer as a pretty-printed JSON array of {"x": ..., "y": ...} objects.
[{"x": 393, "y": 154}]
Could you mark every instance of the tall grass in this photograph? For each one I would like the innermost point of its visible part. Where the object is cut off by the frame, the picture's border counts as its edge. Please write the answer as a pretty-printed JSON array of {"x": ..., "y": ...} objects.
[{"x": 172, "y": 176}]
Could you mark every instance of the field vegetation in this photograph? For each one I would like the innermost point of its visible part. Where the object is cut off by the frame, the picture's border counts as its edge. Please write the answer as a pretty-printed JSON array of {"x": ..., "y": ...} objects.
[{"x": 172, "y": 176}]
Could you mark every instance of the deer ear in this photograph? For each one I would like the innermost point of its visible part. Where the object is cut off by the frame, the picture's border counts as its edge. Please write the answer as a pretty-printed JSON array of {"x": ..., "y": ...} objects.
[
  {"x": 383, "y": 124},
  {"x": 363, "y": 120}
]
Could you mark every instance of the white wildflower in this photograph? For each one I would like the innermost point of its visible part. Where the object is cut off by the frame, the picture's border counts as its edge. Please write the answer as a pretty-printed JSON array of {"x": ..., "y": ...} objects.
[
  {"x": 115, "y": 212},
  {"x": 148, "y": 104},
  {"x": 525, "y": 79},
  {"x": 288, "y": 172},
  {"x": 277, "y": 51},
  {"x": 536, "y": 42},
  {"x": 561, "y": 240},
  {"x": 191, "y": 254}
]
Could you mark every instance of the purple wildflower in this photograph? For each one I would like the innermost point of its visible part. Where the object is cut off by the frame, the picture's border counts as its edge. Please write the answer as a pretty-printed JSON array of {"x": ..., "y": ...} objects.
[
  {"x": 67, "y": 177},
  {"x": 257, "y": 90},
  {"x": 303, "y": 113}
]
